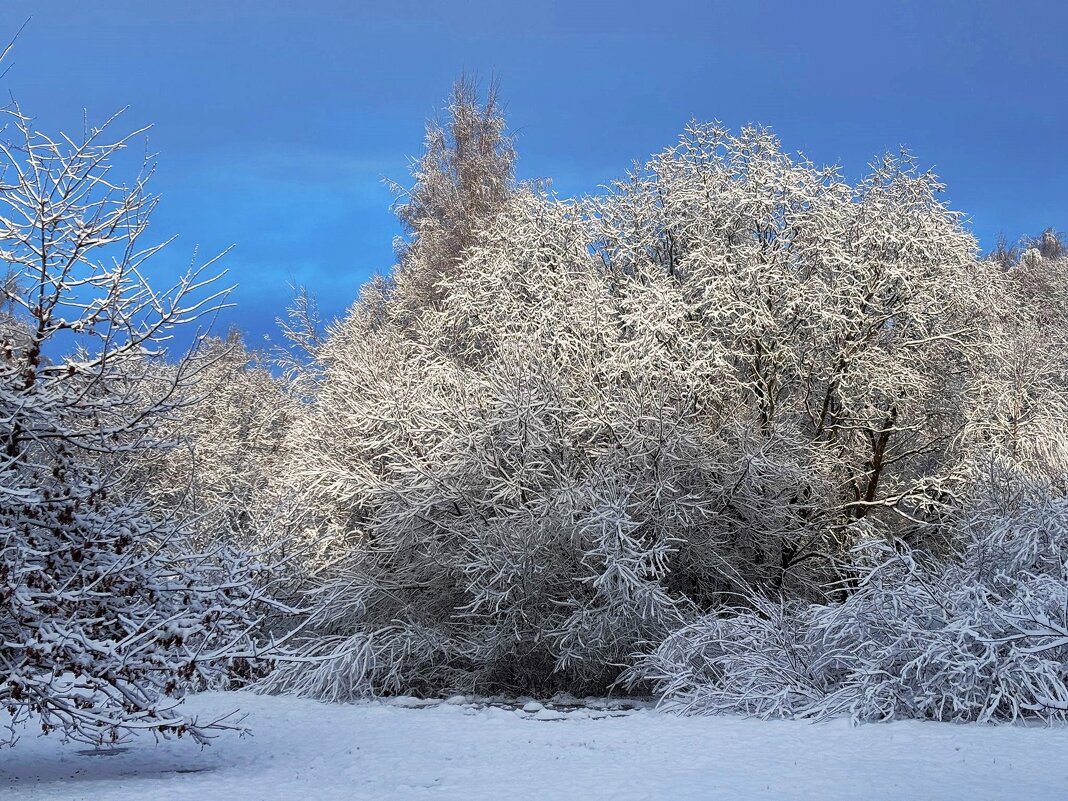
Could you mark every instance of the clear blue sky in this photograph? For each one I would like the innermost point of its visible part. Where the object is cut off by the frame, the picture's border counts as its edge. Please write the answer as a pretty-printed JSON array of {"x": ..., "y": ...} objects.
[{"x": 275, "y": 122}]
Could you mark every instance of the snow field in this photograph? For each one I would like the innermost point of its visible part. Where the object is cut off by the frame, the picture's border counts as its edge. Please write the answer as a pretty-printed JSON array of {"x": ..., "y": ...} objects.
[{"x": 463, "y": 749}]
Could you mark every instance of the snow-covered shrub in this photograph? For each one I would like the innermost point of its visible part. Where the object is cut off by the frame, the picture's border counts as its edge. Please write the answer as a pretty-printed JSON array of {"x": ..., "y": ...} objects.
[
  {"x": 107, "y": 617},
  {"x": 983, "y": 637}
]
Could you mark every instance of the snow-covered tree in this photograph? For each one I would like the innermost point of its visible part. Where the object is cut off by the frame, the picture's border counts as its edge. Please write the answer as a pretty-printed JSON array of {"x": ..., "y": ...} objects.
[
  {"x": 106, "y": 617},
  {"x": 624, "y": 411},
  {"x": 465, "y": 175},
  {"x": 1050, "y": 244},
  {"x": 849, "y": 316},
  {"x": 228, "y": 437},
  {"x": 1019, "y": 405}
]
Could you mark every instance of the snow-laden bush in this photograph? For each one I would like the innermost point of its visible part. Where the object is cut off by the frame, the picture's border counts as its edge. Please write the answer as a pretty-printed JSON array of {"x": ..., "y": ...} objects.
[{"x": 982, "y": 637}]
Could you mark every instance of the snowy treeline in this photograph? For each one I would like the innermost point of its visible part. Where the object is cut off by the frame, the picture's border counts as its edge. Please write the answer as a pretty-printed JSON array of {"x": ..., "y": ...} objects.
[{"x": 736, "y": 430}]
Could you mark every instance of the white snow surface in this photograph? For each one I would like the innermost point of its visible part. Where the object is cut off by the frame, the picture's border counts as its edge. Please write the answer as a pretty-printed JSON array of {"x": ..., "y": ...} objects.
[{"x": 302, "y": 750}]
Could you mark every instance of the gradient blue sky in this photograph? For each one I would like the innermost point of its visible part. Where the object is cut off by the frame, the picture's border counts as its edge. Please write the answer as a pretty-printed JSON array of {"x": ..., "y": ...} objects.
[{"x": 275, "y": 122}]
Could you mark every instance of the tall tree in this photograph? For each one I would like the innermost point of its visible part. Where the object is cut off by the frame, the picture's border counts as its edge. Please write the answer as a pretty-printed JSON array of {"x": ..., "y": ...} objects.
[{"x": 465, "y": 175}]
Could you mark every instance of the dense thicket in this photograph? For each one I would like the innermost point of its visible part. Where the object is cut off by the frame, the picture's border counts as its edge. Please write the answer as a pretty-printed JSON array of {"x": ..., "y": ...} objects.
[
  {"x": 717, "y": 389},
  {"x": 979, "y": 636}
]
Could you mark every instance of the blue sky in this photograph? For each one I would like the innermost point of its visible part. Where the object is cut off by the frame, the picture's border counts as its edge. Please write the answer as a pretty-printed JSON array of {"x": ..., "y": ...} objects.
[{"x": 275, "y": 122}]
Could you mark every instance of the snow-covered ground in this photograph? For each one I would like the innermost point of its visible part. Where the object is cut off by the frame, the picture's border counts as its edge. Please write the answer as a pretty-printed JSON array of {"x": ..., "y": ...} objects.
[{"x": 305, "y": 751}]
